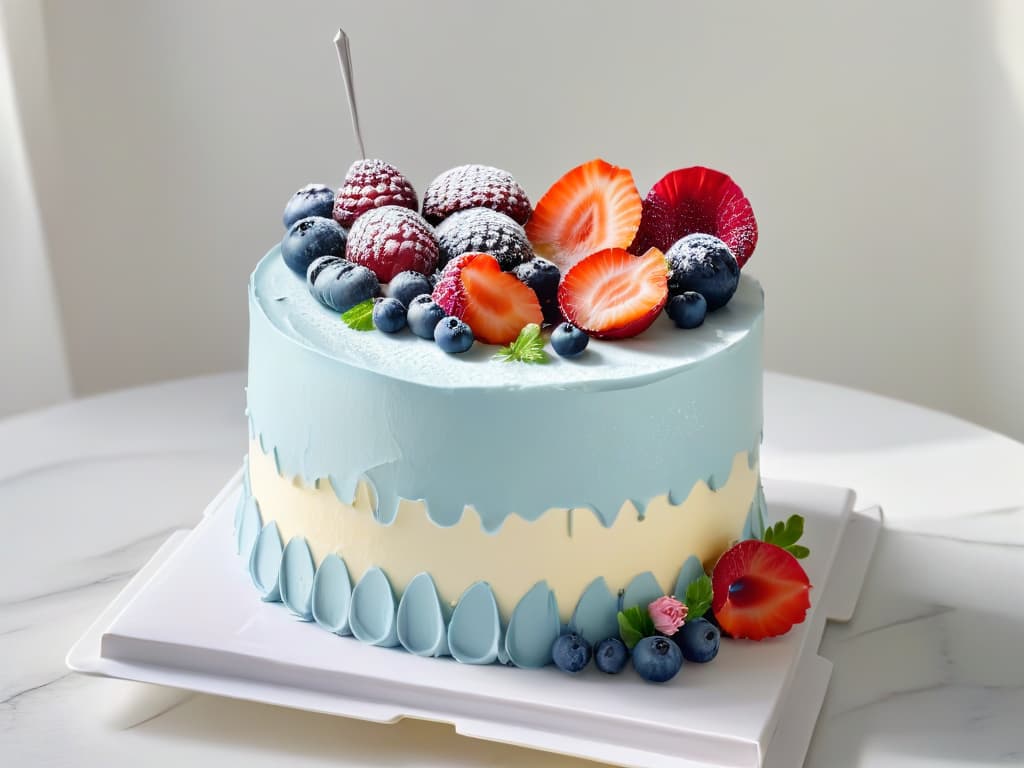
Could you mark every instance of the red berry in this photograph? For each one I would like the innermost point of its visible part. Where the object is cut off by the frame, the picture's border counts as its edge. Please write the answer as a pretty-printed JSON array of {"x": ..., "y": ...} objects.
[
  {"x": 592, "y": 207},
  {"x": 759, "y": 590},
  {"x": 493, "y": 303},
  {"x": 697, "y": 199},
  {"x": 613, "y": 294},
  {"x": 475, "y": 186},
  {"x": 371, "y": 184},
  {"x": 390, "y": 240}
]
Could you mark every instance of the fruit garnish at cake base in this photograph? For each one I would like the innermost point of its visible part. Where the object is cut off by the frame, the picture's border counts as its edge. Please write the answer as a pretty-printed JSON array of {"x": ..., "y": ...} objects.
[
  {"x": 371, "y": 184},
  {"x": 697, "y": 199},
  {"x": 475, "y": 186},
  {"x": 613, "y": 294},
  {"x": 482, "y": 230},
  {"x": 543, "y": 276},
  {"x": 493, "y": 303},
  {"x": 760, "y": 590},
  {"x": 390, "y": 240},
  {"x": 593, "y": 207}
]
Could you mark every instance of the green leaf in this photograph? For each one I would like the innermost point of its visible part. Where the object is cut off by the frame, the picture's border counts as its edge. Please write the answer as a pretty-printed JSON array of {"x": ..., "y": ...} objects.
[
  {"x": 786, "y": 535},
  {"x": 360, "y": 317},
  {"x": 634, "y": 625},
  {"x": 527, "y": 348},
  {"x": 698, "y": 597}
]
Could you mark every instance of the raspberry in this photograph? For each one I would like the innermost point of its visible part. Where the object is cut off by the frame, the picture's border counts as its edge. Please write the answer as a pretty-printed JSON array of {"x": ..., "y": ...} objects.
[
  {"x": 482, "y": 230},
  {"x": 390, "y": 240},
  {"x": 371, "y": 184},
  {"x": 475, "y": 186}
]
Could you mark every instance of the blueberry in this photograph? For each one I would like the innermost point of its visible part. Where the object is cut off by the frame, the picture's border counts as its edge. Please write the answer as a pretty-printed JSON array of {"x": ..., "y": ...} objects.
[
  {"x": 570, "y": 652},
  {"x": 423, "y": 316},
  {"x": 704, "y": 264},
  {"x": 611, "y": 655},
  {"x": 319, "y": 265},
  {"x": 568, "y": 340},
  {"x": 311, "y": 200},
  {"x": 543, "y": 276},
  {"x": 453, "y": 336},
  {"x": 389, "y": 315},
  {"x": 698, "y": 639},
  {"x": 657, "y": 659},
  {"x": 406, "y": 286},
  {"x": 687, "y": 309},
  {"x": 309, "y": 239},
  {"x": 342, "y": 285}
]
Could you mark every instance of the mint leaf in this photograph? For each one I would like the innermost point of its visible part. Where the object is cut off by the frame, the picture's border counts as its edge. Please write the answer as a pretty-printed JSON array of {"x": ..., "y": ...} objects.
[
  {"x": 698, "y": 597},
  {"x": 359, "y": 317},
  {"x": 527, "y": 348},
  {"x": 786, "y": 535},
  {"x": 634, "y": 625}
]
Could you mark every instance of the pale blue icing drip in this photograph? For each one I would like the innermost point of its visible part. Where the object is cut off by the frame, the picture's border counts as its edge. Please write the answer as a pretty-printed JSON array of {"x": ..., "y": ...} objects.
[
  {"x": 249, "y": 526},
  {"x": 372, "y": 614},
  {"x": 533, "y": 628},
  {"x": 332, "y": 595},
  {"x": 691, "y": 570},
  {"x": 474, "y": 634},
  {"x": 642, "y": 591},
  {"x": 421, "y": 624},
  {"x": 753, "y": 527},
  {"x": 330, "y": 402},
  {"x": 596, "y": 614},
  {"x": 296, "y": 579},
  {"x": 502, "y": 650},
  {"x": 265, "y": 563}
]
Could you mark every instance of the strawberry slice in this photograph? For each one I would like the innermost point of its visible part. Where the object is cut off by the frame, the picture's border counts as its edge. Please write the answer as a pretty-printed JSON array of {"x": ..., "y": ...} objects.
[
  {"x": 759, "y": 590},
  {"x": 592, "y": 207},
  {"x": 495, "y": 304},
  {"x": 613, "y": 295},
  {"x": 701, "y": 200}
]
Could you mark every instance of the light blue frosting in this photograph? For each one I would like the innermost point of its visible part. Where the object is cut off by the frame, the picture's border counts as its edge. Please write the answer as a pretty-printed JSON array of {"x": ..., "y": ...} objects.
[
  {"x": 753, "y": 528},
  {"x": 250, "y": 523},
  {"x": 475, "y": 631},
  {"x": 330, "y": 402},
  {"x": 265, "y": 563},
  {"x": 692, "y": 570},
  {"x": 421, "y": 625},
  {"x": 332, "y": 595},
  {"x": 296, "y": 579},
  {"x": 596, "y": 614},
  {"x": 372, "y": 614},
  {"x": 642, "y": 590},
  {"x": 533, "y": 628}
]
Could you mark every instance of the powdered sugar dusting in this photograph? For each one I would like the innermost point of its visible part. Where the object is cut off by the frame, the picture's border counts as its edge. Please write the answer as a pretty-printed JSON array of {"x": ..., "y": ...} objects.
[
  {"x": 372, "y": 184},
  {"x": 475, "y": 186},
  {"x": 483, "y": 230},
  {"x": 390, "y": 240}
]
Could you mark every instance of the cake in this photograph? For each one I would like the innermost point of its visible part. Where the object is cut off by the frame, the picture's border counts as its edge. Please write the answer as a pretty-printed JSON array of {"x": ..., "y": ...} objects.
[{"x": 553, "y": 454}]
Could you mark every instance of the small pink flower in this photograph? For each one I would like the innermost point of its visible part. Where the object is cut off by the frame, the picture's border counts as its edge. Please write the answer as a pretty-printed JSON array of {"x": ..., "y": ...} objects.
[{"x": 668, "y": 615}]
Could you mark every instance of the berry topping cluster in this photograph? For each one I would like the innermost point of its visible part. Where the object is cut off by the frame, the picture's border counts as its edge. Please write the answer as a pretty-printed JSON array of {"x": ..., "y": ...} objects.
[{"x": 593, "y": 259}]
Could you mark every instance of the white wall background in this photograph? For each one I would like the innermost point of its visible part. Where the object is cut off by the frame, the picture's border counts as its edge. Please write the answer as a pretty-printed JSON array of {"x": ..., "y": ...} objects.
[{"x": 881, "y": 143}]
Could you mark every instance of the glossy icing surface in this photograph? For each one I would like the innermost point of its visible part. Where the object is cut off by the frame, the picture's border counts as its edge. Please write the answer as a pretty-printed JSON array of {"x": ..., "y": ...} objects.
[{"x": 656, "y": 413}]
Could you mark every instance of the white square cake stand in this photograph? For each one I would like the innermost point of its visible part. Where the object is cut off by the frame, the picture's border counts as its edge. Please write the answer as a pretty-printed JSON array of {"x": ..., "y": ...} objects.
[{"x": 191, "y": 619}]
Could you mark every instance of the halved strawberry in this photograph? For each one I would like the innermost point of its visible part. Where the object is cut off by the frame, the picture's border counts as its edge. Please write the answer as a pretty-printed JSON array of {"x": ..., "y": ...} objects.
[
  {"x": 493, "y": 303},
  {"x": 613, "y": 294},
  {"x": 759, "y": 590},
  {"x": 697, "y": 199},
  {"x": 592, "y": 207}
]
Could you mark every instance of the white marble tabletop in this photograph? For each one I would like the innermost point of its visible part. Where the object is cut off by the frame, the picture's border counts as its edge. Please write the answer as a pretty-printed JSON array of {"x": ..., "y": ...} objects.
[{"x": 929, "y": 672}]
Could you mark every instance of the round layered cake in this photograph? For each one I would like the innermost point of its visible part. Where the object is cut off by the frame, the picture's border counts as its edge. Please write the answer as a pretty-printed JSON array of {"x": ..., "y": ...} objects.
[{"x": 501, "y": 431}]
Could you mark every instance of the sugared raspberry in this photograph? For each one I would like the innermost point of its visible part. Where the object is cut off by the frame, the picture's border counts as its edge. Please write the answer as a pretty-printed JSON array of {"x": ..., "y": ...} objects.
[
  {"x": 481, "y": 230},
  {"x": 371, "y": 184},
  {"x": 390, "y": 240},
  {"x": 475, "y": 186}
]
